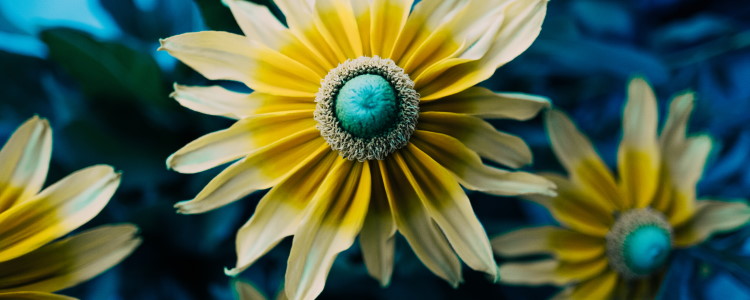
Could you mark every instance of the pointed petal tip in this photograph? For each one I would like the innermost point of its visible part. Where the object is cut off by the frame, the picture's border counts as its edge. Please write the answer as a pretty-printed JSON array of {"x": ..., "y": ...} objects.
[
  {"x": 233, "y": 272},
  {"x": 162, "y": 45}
]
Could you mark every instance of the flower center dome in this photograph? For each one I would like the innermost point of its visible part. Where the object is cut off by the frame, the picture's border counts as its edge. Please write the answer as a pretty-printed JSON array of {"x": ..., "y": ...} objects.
[
  {"x": 366, "y": 105},
  {"x": 639, "y": 243}
]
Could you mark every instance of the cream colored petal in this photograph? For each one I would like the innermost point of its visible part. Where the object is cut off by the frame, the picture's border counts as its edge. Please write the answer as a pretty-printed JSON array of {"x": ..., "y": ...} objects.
[
  {"x": 218, "y": 101},
  {"x": 484, "y": 103},
  {"x": 587, "y": 170},
  {"x": 334, "y": 220},
  {"x": 34, "y": 296},
  {"x": 70, "y": 261},
  {"x": 412, "y": 220},
  {"x": 280, "y": 212},
  {"x": 221, "y": 55},
  {"x": 388, "y": 18},
  {"x": 471, "y": 172},
  {"x": 531, "y": 273},
  {"x": 24, "y": 161},
  {"x": 685, "y": 171},
  {"x": 638, "y": 158},
  {"x": 711, "y": 217},
  {"x": 449, "y": 206},
  {"x": 246, "y": 291},
  {"x": 564, "y": 244},
  {"x": 675, "y": 127},
  {"x": 425, "y": 21},
  {"x": 260, "y": 170},
  {"x": 377, "y": 238},
  {"x": 600, "y": 287},
  {"x": 479, "y": 136},
  {"x": 242, "y": 138},
  {"x": 56, "y": 211},
  {"x": 521, "y": 25}
]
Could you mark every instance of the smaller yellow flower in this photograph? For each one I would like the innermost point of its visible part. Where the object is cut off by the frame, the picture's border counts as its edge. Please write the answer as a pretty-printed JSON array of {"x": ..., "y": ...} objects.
[
  {"x": 616, "y": 234},
  {"x": 32, "y": 263}
]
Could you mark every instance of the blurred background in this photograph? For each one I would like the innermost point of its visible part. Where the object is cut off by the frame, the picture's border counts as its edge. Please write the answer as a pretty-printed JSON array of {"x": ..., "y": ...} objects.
[{"x": 91, "y": 67}]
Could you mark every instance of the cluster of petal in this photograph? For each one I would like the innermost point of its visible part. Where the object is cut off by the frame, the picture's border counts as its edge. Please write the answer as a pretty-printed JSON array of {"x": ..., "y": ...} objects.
[
  {"x": 33, "y": 262},
  {"x": 326, "y": 201},
  {"x": 657, "y": 172}
]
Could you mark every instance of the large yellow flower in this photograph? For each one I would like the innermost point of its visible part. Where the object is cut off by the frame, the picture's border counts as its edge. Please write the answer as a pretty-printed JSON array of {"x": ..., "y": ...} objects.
[
  {"x": 617, "y": 234},
  {"x": 364, "y": 120},
  {"x": 32, "y": 263}
]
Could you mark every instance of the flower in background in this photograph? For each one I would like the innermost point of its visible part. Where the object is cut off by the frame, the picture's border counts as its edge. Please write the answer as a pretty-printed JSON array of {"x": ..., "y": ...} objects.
[
  {"x": 364, "y": 119},
  {"x": 32, "y": 263},
  {"x": 617, "y": 235},
  {"x": 246, "y": 291}
]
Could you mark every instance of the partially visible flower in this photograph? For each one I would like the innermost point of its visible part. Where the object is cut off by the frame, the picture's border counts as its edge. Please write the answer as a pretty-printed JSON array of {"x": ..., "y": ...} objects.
[
  {"x": 33, "y": 264},
  {"x": 365, "y": 120},
  {"x": 617, "y": 233},
  {"x": 246, "y": 291}
]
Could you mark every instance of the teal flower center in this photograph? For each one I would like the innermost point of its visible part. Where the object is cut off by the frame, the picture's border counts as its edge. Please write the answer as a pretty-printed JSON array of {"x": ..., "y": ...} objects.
[
  {"x": 366, "y": 106},
  {"x": 639, "y": 243},
  {"x": 646, "y": 249}
]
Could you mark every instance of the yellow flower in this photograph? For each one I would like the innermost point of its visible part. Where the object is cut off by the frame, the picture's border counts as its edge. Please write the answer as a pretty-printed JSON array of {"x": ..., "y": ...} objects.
[
  {"x": 32, "y": 263},
  {"x": 364, "y": 120},
  {"x": 617, "y": 234}
]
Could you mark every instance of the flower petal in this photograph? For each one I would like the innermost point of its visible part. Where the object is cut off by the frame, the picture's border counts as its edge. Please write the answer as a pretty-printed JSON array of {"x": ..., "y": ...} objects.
[
  {"x": 25, "y": 161},
  {"x": 299, "y": 16},
  {"x": 412, "y": 220},
  {"x": 388, "y": 18},
  {"x": 280, "y": 212},
  {"x": 685, "y": 170},
  {"x": 240, "y": 139},
  {"x": 521, "y": 25},
  {"x": 449, "y": 206},
  {"x": 333, "y": 221},
  {"x": 564, "y": 244},
  {"x": 710, "y": 218},
  {"x": 338, "y": 25},
  {"x": 586, "y": 168},
  {"x": 638, "y": 156},
  {"x": 56, "y": 211},
  {"x": 34, "y": 296},
  {"x": 484, "y": 103},
  {"x": 218, "y": 101},
  {"x": 576, "y": 209},
  {"x": 377, "y": 238},
  {"x": 530, "y": 273},
  {"x": 246, "y": 291},
  {"x": 261, "y": 169},
  {"x": 479, "y": 136},
  {"x": 600, "y": 287},
  {"x": 70, "y": 261},
  {"x": 471, "y": 172},
  {"x": 221, "y": 55}
]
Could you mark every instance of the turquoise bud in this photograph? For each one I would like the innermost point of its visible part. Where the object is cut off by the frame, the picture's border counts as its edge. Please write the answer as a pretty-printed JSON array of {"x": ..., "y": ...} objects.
[
  {"x": 646, "y": 249},
  {"x": 366, "y": 106}
]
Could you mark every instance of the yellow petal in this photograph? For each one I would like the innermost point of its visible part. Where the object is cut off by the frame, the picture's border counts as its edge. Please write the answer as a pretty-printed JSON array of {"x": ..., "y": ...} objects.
[
  {"x": 471, "y": 172},
  {"x": 260, "y": 170},
  {"x": 479, "y": 136},
  {"x": 226, "y": 56},
  {"x": 564, "y": 244},
  {"x": 280, "y": 211},
  {"x": 586, "y": 168},
  {"x": 388, "y": 18},
  {"x": 576, "y": 209},
  {"x": 25, "y": 160},
  {"x": 337, "y": 24},
  {"x": 246, "y": 291},
  {"x": 426, "y": 20},
  {"x": 600, "y": 287},
  {"x": 412, "y": 220},
  {"x": 449, "y": 206},
  {"x": 377, "y": 238},
  {"x": 334, "y": 220},
  {"x": 242, "y": 138},
  {"x": 710, "y": 218},
  {"x": 522, "y": 21},
  {"x": 56, "y": 211},
  {"x": 218, "y": 101},
  {"x": 685, "y": 171},
  {"x": 638, "y": 156},
  {"x": 33, "y": 296},
  {"x": 70, "y": 261},
  {"x": 299, "y": 16},
  {"x": 484, "y": 103}
]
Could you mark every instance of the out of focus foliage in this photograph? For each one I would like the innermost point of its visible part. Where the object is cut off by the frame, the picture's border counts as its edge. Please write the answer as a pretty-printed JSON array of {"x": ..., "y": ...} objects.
[{"x": 91, "y": 67}]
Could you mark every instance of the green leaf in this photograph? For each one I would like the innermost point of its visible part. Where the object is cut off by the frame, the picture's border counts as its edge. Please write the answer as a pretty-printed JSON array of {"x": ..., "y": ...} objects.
[{"x": 106, "y": 70}]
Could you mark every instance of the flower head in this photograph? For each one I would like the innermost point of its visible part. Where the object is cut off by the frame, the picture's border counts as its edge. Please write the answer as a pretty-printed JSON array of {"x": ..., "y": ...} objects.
[
  {"x": 616, "y": 234},
  {"x": 364, "y": 120},
  {"x": 32, "y": 263}
]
